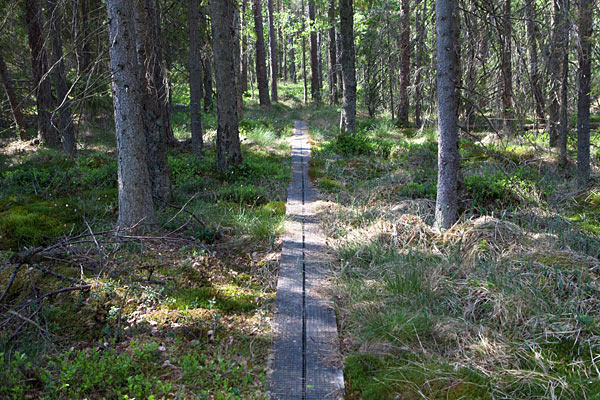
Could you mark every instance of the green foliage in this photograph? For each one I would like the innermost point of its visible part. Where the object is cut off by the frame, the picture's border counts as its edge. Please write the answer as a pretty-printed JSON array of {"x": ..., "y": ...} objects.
[
  {"x": 243, "y": 194},
  {"x": 361, "y": 144}
]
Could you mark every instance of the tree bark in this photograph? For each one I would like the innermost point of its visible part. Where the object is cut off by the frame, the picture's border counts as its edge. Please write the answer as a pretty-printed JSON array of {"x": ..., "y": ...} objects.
[
  {"x": 420, "y": 28},
  {"x": 559, "y": 43},
  {"x": 195, "y": 70},
  {"x": 67, "y": 128},
  {"x": 506, "y": 70},
  {"x": 586, "y": 10},
  {"x": 237, "y": 60},
  {"x": 303, "y": 16},
  {"x": 261, "y": 63},
  {"x": 315, "y": 93},
  {"x": 403, "y": 100},
  {"x": 206, "y": 61},
  {"x": 153, "y": 99},
  {"x": 348, "y": 114},
  {"x": 273, "y": 47},
  {"x": 333, "y": 93},
  {"x": 564, "y": 117},
  {"x": 39, "y": 65},
  {"x": 446, "y": 208},
  {"x": 244, "y": 51},
  {"x": 12, "y": 99},
  {"x": 135, "y": 194},
  {"x": 292, "y": 61},
  {"x": 534, "y": 67},
  {"x": 228, "y": 141}
]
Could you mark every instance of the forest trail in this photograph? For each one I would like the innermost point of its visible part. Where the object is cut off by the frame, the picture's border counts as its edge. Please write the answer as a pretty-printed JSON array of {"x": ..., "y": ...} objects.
[{"x": 306, "y": 340}]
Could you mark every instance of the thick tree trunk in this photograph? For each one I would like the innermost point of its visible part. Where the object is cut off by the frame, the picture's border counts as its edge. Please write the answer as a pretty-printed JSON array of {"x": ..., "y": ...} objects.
[
  {"x": 135, "y": 194},
  {"x": 244, "y": 51},
  {"x": 403, "y": 100},
  {"x": 153, "y": 99},
  {"x": 586, "y": 10},
  {"x": 195, "y": 70},
  {"x": 506, "y": 70},
  {"x": 39, "y": 65},
  {"x": 348, "y": 114},
  {"x": 228, "y": 148},
  {"x": 446, "y": 208},
  {"x": 273, "y": 47},
  {"x": 560, "y": 32},
  {"x": 67, "y": 128},
  {"x": 12, "y": 99},
  {"x": 333, "y": 93},
  {"x": 315, "y": 93},
  {"x": 261, "y": 58},
  {"x": 534, "y": 67}
]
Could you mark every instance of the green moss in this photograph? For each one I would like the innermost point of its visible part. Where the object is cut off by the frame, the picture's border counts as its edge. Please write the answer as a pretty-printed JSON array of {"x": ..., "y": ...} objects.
[
  {"x": 228, "y": 299},
  {"x": 331, "y": 185}
]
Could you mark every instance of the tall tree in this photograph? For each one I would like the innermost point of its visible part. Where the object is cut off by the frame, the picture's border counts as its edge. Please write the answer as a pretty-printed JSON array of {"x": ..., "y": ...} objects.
[
  {"x": 206, "y": 61},
  {"x": 420, "y": 61},
  {"x": 348, "y": 114},
  {"x": 302, "y": 17},
  {"x": 292, "y": 61},
  {"x": 446, "y": 207},
  {"x": 67, "y": 128},
  {"x": 39, "y": 65},
  {"x": 586, "y": 12},
  {"x": 12, "y": 99},
  {"x": 404, "y": 65},
  {"x": 244, "y": 50},
  {"x": 135, "y": 195},
  {"x": 153, "y": 98},
  {"x": 261, "y": 63},
  {"x": 506, "y": 68},
  {"x": 534, "y": 64},
  {"x": 195, "y": 70},
  {"x": 228, "y": 149},
  {"x": 333, "y": 93},
  {"x": 315, "y": 93},
  {"x": 273, "y": 47},
  {"x": 560, "y": 32}
]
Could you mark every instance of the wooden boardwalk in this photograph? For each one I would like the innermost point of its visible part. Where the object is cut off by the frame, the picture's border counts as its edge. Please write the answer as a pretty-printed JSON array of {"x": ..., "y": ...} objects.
[{"x": 306, "y": 342}]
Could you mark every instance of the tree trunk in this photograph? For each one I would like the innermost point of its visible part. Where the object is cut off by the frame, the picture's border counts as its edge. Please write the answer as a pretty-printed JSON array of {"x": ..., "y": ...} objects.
[
  {"x": 67, "y": 127},
  {"x": 135, "y": 195},
  {"x": 273, "y": 47},
  {"x": 228, "y": 149},
  {"x": 446, "y": 208},
  {"x": 506, "y": 70},
  {"x": 333, "y": 93},
  {"x": 244, "y": 51},
  {"x": 403, "y": 101},
  {"x": 153, "y": 99},
  {"x": 195, "y": 70},
  {"x": 292, "y": 61},
  {"x": 564, "y": 117},
  {"x": 420, "y": 62},
  {"x": 39, "y": 65},
  {"x": 534, "y": 67},
  {"x": 12, "y": 98},
  {"x": 237, "y": 60},
  {"x": 559, "y": 37},
  {"x": 304, "y": 56},
  {"x": 586, "y": 10},
  {"x": 315, "y": 93},
  {"x": 261, "y": 63},
  {"x": 348, "y": 114},
  {"x": 206, "y": 62}
]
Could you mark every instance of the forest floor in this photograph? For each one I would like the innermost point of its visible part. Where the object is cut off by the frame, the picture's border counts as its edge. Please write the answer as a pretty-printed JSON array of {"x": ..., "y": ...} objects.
[
  {"x": 506, "y": 304},
  {"x": 183, "y": 311}
]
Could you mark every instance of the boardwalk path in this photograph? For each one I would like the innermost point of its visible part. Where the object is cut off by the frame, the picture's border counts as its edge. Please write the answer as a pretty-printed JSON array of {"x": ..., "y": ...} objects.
[{"x": 305, "y": 327}]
